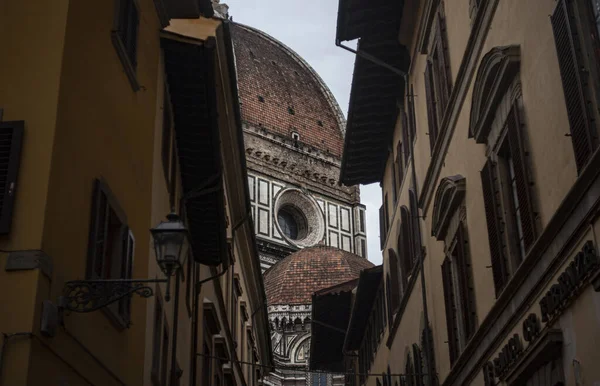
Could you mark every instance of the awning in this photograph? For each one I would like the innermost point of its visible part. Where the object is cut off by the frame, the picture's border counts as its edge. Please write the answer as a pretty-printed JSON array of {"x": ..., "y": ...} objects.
[
  {"x": 376, "y": 91},
  {"x": 190, "y": 69},
  {"x": 359, "y": 18},
  {"x": 368, "y": 285},
  {"x": 331, "y": 309}
]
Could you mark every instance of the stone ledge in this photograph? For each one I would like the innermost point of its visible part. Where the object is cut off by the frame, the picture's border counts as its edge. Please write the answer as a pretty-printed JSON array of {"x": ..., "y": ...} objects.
[{"x": 28, "y": 260}]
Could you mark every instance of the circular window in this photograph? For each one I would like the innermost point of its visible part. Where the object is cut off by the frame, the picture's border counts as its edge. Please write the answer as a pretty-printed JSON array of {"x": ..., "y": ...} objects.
[{"x": 298, "y": 218}]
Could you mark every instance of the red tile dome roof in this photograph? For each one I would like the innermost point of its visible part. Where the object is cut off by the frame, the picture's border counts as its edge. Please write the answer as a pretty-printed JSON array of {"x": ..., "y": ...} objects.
[
  {"x": 281, "y": 93},
  {"x": 294, "y": 279}
]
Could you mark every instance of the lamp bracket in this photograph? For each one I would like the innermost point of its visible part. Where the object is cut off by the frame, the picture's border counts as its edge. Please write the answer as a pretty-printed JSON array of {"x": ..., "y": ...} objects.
[{"x": 91, "y": 295}]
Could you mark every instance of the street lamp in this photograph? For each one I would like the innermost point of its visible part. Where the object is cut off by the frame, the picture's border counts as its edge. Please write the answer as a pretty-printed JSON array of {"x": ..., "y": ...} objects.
[{"x": 171, "y": 244}]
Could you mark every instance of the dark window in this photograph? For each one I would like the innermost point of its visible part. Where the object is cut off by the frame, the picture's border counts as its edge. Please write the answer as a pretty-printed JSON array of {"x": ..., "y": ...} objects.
[
  {"x": 451, "y": 315},
  {"x": 418, "y": 365},
  {"x": 387, "y": 213},
  {"x": 399, "y": 164},
  {"x": 206, "y": 363},
  {"x": 288, "y": 224},
  {"x": 412, "y": 122},
  {"x": 382, "y": 225},
  {"x": 438, "y": 83},
  {"x": 405, "y": 245},
  {"x": 395, "y": 184},
  {"x": 409, "y": 371},
  {"x": 111, "y": 247},
  {"x": 361, "y": 219},
  {"x": 156, "y": 340},
  {"x": 415, "y": 224},
  {"x": 394, "y": 282},
  {"x": 459, "y": 296},
  {"x": 11, "y": 140},
  {"x": 508, "y": 203},
  {"x": 576, "y": 34},
  {"x": 405, "y": 140},
  {"x": 169, "y": 148},
  {"x": 125, "y": 37},
  {"x": 164, "y": 359}
]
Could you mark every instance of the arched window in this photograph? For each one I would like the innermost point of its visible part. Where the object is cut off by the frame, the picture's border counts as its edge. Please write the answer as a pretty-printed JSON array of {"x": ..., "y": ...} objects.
[
  {"x": 427, "y": 354},
  {"x": 409, "y": 371},
  {"x": 288, "y": 224},
  {"x": 416, "y": 233},
  {"x": 418, "y": 365}
]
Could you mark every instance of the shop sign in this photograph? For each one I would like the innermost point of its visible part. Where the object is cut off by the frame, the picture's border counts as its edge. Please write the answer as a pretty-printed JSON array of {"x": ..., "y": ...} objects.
[{"x": 551, "y": 305}]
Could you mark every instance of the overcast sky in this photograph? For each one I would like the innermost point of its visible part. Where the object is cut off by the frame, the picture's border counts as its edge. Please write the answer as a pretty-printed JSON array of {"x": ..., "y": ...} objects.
[{"x": 308, "y": 27}]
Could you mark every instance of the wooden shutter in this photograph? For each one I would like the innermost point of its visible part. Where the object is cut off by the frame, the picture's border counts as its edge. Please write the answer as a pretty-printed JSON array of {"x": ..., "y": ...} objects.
[
  {"x": 400, "y": 163},
  {"x": 11, "y": 141},
  {"x": 523, "y": 180},
  {"x": 431, "y": 114},
  {"x": 410, "y": 371},
  {"x": 443, "y": 68},
  {"x": 388, "y": 288},
  {"x": 395, "y": 183},
  {"x": 407, "y": 254},
  {"x": 418, "y": 365},
  {"x": 126, "y": 273},
  {"x": 386, "y": 210},
  {"x": 428, "y": 355},
  {"x": 569, "y": 55},
  {"x": 405, "y": 140},
  {"x": 464, "y": 279},
  {"x": 494, "y": 221},
  {"x": 98, "y": 233},
  {"x": 412, "y": 122},
  {"x": 395, "y": 283},
  {"x": 381, "y": 227},
  {"x": 416, "y": 233},
  {"x": 449, "y": 300}
]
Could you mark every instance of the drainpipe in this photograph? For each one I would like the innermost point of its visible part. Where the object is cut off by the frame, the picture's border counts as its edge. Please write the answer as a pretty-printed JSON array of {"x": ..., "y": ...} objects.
[{"x": 420, "y": 257}]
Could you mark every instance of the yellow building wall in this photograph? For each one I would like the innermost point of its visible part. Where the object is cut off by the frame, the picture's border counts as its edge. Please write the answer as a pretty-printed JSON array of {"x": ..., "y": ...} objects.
[{"x": 551, "y": 154}]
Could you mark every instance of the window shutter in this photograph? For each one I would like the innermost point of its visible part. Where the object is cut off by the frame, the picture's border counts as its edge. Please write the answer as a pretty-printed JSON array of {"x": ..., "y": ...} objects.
[
  {"x": 568, "y": 52},
  {"x": 517, "y": 149},
  {"x": 428, "y": 354},
  {"x": 407, "y": 255},
  {"x": 98, "y": 231},
  {"x": 400, "y": 163},
  {"x": 466, "y": 291},
  {"x": 412, "y": 122},
  {"x": 395, "y": 283},
  {"x": 431, "y": 114},
  {"x": 409, "y": 370},
  {"x": 386, "y": 210},
  {"x": 396, "y": 185},
  {"x": 381, "y": 227},
  {"x": 11, "y": 141},
  {"x": 126, "y": 273},
  {"x": 416, "y": 236},
  {"x": 444, "y": 64},
  {"x": 493, "y": 219},
  {"x": 405, "y": 140},
  {"x": 449, "y": 300},
  {"x": 418, "y": 365}
]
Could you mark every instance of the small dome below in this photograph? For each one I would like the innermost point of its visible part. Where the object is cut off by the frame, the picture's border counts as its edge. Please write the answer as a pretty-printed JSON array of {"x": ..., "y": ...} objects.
[{"x": 294, "y": 279}]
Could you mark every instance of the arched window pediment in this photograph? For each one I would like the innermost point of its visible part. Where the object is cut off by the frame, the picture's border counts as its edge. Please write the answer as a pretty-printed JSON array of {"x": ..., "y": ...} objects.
[
  {"x": 449, "y": 195},
  {"x": 496, "y": 73}
]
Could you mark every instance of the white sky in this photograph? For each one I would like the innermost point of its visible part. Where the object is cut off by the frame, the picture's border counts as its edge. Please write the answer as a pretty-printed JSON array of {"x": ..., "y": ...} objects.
[{"x": 308, "y": 27}]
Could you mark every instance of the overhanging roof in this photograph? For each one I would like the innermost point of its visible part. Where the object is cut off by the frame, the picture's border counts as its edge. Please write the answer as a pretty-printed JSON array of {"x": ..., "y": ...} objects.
[
  {"x": 190, "y": 70},
  {"x": 376, "y": 90},
  {"x": 331, "y": 309},
  {"x": 373, "y": 110},
  {"x": 368, "y": 284},
  {"x": 358, "y": 18}
]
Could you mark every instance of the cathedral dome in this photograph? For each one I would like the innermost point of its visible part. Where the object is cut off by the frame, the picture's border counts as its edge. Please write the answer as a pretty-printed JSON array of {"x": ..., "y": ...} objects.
[
  {"x": 281, "y": 93},
  {"x": 294, "y": 279}
]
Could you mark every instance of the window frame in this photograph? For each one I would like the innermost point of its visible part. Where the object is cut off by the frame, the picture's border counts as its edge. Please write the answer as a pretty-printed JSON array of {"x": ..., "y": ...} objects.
[
  {"x": 127, "y": 55},
  {"x": 103, "y": 206}
]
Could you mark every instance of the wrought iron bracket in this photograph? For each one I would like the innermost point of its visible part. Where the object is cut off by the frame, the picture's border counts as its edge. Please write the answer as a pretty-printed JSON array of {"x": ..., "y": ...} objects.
[{"x": 91, "y": 295}]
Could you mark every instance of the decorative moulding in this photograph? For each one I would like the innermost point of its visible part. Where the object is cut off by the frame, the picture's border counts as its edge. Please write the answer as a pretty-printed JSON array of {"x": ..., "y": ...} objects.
[
  {"x": 449, "y": 195},
  {"x": 496, "y": 72}
]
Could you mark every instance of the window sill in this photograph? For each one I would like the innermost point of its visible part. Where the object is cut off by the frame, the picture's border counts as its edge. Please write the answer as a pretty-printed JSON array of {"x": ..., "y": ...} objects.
[{"x": 127, "y": 65}]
